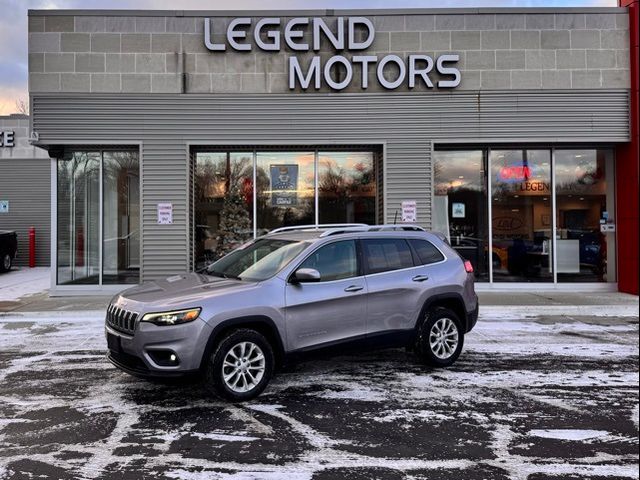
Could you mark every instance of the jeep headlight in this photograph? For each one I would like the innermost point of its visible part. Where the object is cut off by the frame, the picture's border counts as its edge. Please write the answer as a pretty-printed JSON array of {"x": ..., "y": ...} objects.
[{"x": 172, "y": 318}]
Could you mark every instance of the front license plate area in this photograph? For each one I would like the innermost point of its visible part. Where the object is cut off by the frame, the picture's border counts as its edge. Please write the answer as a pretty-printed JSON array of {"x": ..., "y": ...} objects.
[{"x": 113, "y": 342}]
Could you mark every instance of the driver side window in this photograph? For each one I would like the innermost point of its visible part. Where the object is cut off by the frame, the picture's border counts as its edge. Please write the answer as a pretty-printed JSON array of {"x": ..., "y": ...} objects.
[{"x": 335, "y": 261}]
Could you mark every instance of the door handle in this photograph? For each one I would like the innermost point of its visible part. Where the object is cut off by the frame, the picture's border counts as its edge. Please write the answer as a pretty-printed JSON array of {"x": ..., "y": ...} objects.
[
  {"x": 353, "y": 288},
  {"x": 420, "y": 278}
]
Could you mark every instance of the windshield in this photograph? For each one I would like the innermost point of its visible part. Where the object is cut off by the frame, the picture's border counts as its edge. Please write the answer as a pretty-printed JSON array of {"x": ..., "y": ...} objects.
[{"x": 257, "y": 261}]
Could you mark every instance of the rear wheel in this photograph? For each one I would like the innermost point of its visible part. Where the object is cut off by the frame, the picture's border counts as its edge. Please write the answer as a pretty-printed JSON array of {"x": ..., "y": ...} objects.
[
  {"x": 5, "y": 262},
  {"x": 241, "y": 366},
  {"x": 440, "y": 338}
]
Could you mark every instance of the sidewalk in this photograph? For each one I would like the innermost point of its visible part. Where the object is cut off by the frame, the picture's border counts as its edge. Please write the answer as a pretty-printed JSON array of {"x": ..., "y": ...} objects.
[
  {"x": 26, "y": 290},
  {"x": 23, "y": 281}
]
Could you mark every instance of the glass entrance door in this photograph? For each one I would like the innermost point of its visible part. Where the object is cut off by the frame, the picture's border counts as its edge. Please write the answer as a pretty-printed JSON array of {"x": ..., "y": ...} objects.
[{"x": 521, "y": 215}]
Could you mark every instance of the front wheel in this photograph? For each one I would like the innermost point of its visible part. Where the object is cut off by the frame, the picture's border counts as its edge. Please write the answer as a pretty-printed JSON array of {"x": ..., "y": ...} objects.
[
  {"x": 5, "y": 262},
  {"x": 440, "y": 338},
  {"x": 241, "y": 366}
]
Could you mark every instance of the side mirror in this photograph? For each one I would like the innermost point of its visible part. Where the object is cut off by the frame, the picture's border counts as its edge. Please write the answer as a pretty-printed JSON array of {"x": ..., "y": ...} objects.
[{"x": 305, "y": 275}]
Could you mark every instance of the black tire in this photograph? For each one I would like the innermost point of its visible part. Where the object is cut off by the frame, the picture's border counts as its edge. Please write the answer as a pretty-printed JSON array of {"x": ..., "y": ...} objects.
[
  {"x": 214, "y": 377},
  {"x": 423, "y": 348},
  {"x": 5, "y": 259}
]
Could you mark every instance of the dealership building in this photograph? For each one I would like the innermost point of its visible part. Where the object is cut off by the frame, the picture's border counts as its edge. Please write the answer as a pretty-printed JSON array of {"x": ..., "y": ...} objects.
[
  {"x": 174, "y": 136},
  {"x": 25, "y": 185}
]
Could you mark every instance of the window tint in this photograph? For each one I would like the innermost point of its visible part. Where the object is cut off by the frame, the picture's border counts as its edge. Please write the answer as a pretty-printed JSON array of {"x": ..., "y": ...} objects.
[
  {"x": 386, "y": 254},
  {"x": 427, "y": 252},
  {"x": 334, "y": 261}
]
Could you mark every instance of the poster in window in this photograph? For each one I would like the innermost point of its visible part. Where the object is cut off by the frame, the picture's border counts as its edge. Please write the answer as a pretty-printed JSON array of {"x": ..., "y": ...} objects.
[
  {"x": 284, "y": 185},
  {"x": 458, "y": 210}
]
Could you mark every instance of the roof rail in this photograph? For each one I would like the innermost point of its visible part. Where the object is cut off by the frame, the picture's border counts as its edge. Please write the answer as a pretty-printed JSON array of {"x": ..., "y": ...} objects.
[
  {"x": 316, "y": 227},
  {"x": 407, "y": 227},
  {"x": 373, "y": 228}
]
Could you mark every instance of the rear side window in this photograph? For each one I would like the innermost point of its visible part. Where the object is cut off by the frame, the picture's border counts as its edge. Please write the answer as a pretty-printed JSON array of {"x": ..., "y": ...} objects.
[
  {"x": 385, "y": 254},
  {"x": 335, "y": 261},
  {"x": 427, "y": 252}
]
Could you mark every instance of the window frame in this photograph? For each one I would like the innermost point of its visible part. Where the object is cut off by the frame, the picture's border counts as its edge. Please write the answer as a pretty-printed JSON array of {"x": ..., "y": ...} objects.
[{"x": 65, "y": 154}]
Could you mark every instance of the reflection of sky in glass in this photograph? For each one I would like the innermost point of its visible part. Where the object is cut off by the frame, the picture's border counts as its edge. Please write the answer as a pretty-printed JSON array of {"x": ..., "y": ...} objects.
[
  {"x": 571, "y": 165},
  {"x": 459, "y": 169},
  {"x": 348, "y": 161},
  {"x": 539, "y": 162}
]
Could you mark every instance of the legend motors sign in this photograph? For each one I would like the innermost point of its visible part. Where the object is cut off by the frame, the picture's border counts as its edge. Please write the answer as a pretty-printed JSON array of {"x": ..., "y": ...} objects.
[{"x": 351, "y": 34}]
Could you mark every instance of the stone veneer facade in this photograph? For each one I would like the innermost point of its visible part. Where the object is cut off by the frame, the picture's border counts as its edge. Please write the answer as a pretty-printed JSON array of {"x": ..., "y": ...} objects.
[{"x": 138, "y": 53}]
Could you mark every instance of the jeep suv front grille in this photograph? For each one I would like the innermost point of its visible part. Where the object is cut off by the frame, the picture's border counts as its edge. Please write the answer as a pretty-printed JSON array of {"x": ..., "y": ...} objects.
[{"x": 121, "y": 320}]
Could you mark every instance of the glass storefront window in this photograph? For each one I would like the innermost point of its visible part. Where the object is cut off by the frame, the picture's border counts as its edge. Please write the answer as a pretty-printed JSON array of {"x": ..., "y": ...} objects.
[
  {"x": 521, "y": 197},
  {"x": 460, "y": 205},
  {"x": 79, "y": 213},
  {"x": 584, "y": 202},
  {"x": 223, "y": 203},
  {"x": 285, "y": 193},
  {"x": 121, "y": 218},
  {"x": 346, "y": 187},
  {"x": 521, "y": 215},
  {"x": 289, "y": 184}
]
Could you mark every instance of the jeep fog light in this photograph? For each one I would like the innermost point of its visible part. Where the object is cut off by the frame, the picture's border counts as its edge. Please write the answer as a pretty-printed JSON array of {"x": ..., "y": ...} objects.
[{"x": 172, "y": 318}]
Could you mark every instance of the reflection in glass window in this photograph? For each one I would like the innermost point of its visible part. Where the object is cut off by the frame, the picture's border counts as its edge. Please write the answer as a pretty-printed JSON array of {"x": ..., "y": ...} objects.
[
  {"x": 79, "y": 216},
  {"x": 258, "y": 260},
  {"x": 78, "y": 184},
  {"x": 335, "y": 261},
  {"x": 285, "y": 193},
  {"x": 460, "y": 205},
  {"x": 346, "y": 187},
  {"x": 387, "y": 254},
  {"x": 584, "y": 202},
  {"x": 521, "y": 215},
  {"x": 223, "y": 203},
  {"x": 426, "y": 251},
  {"x": 121, "y": 218}
]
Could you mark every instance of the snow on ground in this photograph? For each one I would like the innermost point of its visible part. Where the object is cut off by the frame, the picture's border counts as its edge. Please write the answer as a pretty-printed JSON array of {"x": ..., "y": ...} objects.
[
  {"x": 569, "y": 434},
  {"x": 23, "y": 281},
  {"x": 527, "y": 399}
]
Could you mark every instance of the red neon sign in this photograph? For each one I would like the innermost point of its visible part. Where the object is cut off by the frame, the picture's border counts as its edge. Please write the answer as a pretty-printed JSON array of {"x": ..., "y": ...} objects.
[{"x": 514, "y": 173}]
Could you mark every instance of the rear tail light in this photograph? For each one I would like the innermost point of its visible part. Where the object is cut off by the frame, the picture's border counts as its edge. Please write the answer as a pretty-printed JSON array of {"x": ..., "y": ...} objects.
[{"x": 468, "y": 267}]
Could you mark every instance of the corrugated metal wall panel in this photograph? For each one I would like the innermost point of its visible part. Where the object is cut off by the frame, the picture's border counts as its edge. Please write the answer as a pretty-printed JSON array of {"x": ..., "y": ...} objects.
[
  {"x": 164, "y": 179},
  {"x": 407, "y": 124},
  {"x": 26, "y": 183}
]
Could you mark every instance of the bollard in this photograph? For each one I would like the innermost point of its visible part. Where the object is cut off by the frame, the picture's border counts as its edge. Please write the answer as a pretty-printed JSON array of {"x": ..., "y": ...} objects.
[{"x": 32, "y": 247}]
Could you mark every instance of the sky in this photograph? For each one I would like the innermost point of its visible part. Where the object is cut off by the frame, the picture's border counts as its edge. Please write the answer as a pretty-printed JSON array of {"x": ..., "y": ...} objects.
[{"x": 13, "y": 23}]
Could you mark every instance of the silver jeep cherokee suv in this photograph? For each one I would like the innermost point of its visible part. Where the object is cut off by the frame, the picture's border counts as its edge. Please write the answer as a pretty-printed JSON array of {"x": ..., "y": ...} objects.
[{"x": 292, "y": 291}]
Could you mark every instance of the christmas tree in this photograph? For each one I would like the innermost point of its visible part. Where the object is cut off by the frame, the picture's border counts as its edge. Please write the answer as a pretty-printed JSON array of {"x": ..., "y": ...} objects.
[{"x": 235, "y": 223}]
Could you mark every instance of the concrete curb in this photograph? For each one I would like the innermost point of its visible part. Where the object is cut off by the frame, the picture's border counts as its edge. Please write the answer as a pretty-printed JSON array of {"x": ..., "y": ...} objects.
[{"x": 534, "y": 311}]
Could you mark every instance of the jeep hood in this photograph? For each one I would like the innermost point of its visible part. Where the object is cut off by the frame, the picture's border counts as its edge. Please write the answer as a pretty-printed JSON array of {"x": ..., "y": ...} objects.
[{"x": 184, "y": 290}]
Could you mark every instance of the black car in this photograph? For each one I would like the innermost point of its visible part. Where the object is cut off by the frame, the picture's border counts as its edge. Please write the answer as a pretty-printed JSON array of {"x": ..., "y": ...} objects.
[{"x": 8, "y": 249}]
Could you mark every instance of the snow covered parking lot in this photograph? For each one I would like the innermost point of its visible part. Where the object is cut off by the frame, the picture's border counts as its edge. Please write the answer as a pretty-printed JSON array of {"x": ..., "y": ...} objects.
[{"x": 532, "y": 397}]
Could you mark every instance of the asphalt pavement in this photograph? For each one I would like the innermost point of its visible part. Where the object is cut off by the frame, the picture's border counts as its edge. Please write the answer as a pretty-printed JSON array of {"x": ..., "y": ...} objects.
[{"x": 535, "y": 395}]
